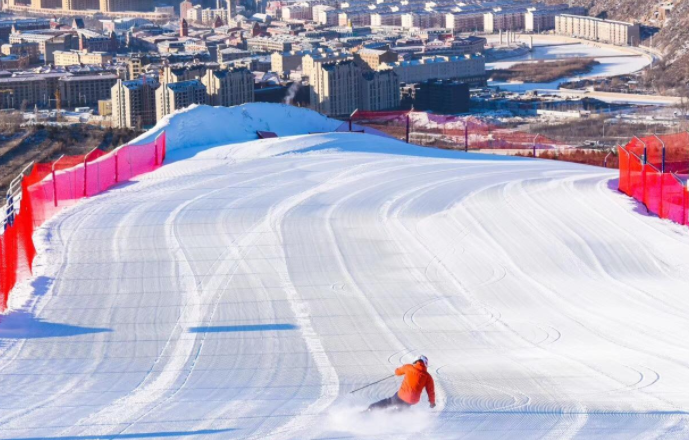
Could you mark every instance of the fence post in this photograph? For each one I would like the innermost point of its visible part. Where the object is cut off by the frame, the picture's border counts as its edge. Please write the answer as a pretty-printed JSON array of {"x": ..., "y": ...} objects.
[
  {"x": 86, "y": 169},
  {"x": 662, "y": 164},
  {"x": 466, "y": 137},
  {"x": 685, "y": 205},
  {"x": 55, "y": 180},
  {"x": 408, "y": 126},
  {"x": 117, "y": 166},
  {"x": 155, "y": 149},
  {"x": 534, "y": 144},
  {"x": 350, "y": 118},
  {"x": 644, "y": 161}
]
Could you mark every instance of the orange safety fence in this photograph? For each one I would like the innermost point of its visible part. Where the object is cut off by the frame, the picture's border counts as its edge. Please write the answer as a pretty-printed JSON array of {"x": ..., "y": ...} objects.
[
  {"x": 52, "y": 187},
  {"x": 654, "y": 170}
]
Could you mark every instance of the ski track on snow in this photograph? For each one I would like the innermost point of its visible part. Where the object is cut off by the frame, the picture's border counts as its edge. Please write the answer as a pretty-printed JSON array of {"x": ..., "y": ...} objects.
[{"x": 236, "y": 296}]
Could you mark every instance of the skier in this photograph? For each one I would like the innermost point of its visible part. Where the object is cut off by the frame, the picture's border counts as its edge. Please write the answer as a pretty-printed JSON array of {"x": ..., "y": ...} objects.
[{"x": 416, "y": 378}]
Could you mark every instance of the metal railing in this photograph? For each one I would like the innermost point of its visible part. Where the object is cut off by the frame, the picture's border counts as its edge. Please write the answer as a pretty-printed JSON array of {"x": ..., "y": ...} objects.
[{"x": 13, "y": 199}]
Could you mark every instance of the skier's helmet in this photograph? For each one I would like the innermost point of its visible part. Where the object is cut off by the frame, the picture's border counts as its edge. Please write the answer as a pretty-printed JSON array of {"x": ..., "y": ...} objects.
[{"x": 423, "y": 359}]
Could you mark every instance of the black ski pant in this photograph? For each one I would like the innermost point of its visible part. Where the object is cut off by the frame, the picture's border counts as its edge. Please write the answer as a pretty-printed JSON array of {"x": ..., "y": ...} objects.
[{"x": 390, "y": 401}]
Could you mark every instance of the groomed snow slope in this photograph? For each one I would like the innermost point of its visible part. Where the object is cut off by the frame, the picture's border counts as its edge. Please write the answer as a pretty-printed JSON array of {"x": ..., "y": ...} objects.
[{"x": 242, "y": 291}]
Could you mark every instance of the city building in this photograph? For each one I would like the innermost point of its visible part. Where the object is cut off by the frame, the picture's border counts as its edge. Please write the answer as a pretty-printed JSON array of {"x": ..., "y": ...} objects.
[
  {"x": 423, "y": 20},
  {"x": 10, "y": 25},
  {"x": 605, "y": 31},
  {"x": 76, "y": 57},
  {"x": 134, "y": 103},
  {"x": 543, "y": 18},
  {"x": 125, "y": 5},
  {"x": 228, "y": 87},
  {"x": 501, "y": 19},
  {"x": 232, "y": 53},
  {"x": 20, "y": 49},
  {"x": 171, "y": 97},
  {"x": 442, "y": 96},
  {"x": 283, "y": 63},
  {"x": 380, "y": 90},
  {"x": 184, "y": 7},
  {"x": 311, "y": 62},
  {"x": 337, "y": 90},
  {"x": 371, "y": 59},
  {"x": 300, "y": 11},
  {"x": 85, "y": 90},
  {"x": 465, "y": 21},
  {"x": 268, "y": 45},
  {"x": 471, "y": 68}
]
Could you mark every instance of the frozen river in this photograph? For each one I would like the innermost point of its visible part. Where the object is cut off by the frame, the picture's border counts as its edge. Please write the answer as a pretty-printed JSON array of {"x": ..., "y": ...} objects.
[{"x": 612, "y": 62}]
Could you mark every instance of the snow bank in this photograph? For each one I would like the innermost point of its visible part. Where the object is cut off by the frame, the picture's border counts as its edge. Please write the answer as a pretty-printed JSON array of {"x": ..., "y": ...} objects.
[{"x": 202, "y": 125}]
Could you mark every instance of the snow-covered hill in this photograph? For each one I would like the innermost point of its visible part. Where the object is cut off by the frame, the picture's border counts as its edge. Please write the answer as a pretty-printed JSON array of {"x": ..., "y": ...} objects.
[{"x": 243, "y": 290}]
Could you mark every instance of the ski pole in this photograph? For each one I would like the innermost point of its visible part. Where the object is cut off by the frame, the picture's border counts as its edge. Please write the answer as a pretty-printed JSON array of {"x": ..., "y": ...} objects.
[{"x": 372, "y": 383}]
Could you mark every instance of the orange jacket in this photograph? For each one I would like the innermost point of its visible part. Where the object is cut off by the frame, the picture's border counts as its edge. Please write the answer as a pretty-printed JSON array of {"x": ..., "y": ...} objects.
[{"x": 416, "y": 378}]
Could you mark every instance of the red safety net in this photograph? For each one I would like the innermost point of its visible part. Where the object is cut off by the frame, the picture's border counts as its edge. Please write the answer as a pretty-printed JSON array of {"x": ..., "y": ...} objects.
[
  {"x": 52, "y": 187},
  {"x": 661, "y": 184},
  {"x": 636, "y": 178},
  {"x": 653, "y": 189},
  {"x": 674, "y": 199},
  {"x": 624, "y": 170},
  {"x": 452, "y": 131}
]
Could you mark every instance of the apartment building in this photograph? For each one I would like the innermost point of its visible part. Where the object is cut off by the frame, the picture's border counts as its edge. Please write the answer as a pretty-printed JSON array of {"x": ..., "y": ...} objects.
[
  {"x": 29, "y": 49},
  {"x": 171, "y": 97},
  {"x": 311, "y": 62},
  {"x": 543, "y": 19},
  {"x": 56, "y": 40},
  {"x": 336, "y": 92},
  {"x": 379, "y": 91},
  {"x": 301, "y": 11},
  {"x": 605, "y": 31},
  {"x": 267, "y": 44},
  {"x": 386, "y": 19},
  {"x": 465, "y": 21},
  {"x": 468, "y": 67},
  {"x": 86, "y": 90},
  {"x": 79, "y": 5},
  {"x": 228, "y": 87},
  {"x": 503, "y": 20},
  {"x": 8, "y": 26},
  {"x": 76, "y": 58},
  {"x": 285, "y": 62},
  {"x": 134, "y": 103},
  {"x": 422, "y": 20},
  {"x": 232, "y": 53},
  {"x": 175, "y": 73},
  {"x": 371, "y": 59},
  {"x": 125, "y": 5}
]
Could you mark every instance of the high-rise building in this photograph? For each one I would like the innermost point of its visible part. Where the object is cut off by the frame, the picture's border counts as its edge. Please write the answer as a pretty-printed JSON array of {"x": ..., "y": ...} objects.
[
  {"x": 380, "y": 90},
  {"x": 134, "y": 103},
  {"x": 184, "y": 8},
  {"x": 171, "y": 97},
  {"x": 337, "y": 90},
  {"x": 228, "y": 87}
]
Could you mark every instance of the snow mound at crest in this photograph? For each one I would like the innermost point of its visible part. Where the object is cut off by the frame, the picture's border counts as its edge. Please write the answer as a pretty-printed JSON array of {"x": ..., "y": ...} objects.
[{"x": 202, "y": 125}]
